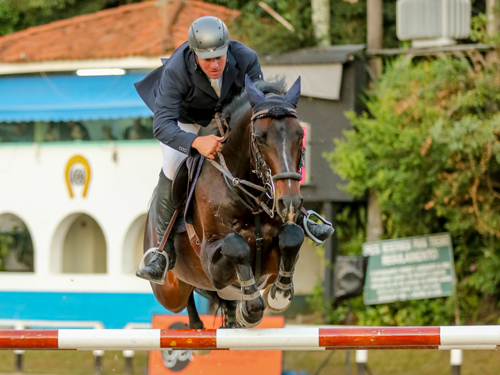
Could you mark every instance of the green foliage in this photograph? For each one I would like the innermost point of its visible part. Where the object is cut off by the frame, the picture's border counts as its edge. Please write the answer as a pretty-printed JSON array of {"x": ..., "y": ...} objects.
[
  {"x": 6, "y": 241},
  {"x": 266, "y": 35},
  {"x": 8, "y": 17},
  {"x": 429, "y": 147},
  {"x": 348, "y": 23}
]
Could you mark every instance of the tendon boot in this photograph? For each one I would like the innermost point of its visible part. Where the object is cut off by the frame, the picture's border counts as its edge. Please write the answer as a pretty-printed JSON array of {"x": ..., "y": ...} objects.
[
  {"x": 155, "y": 271},
  {"x": 317, "y": 232}
]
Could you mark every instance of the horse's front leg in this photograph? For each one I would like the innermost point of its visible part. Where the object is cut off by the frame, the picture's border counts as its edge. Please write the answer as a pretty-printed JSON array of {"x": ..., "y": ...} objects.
[
  {"x": 279, "y": 295},
  {"x": 231, "y": 261}
]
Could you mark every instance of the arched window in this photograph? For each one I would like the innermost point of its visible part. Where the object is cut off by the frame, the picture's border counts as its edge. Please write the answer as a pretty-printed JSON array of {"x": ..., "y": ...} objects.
[
  {"x": 84, "y": 247},
  {"x": 16, "y": 246},
  {"x": 133, "y": 245}
]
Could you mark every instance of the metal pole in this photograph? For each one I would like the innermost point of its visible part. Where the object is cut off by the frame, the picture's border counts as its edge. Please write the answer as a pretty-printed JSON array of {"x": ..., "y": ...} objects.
[
  {"x": 455, "y": 361},
  {"x": 98, "y": 354},
  {"x": 361, "y": 360},
  {"x": 348, "y": 352},
  {"x": 19, "y": 360},
  {"x": 331, "y": 244},
  {"x": 129, "y": 355}
]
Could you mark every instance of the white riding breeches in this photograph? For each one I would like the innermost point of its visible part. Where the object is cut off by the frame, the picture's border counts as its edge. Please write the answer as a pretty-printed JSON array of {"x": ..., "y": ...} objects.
[{"x": 173, "y": 158}]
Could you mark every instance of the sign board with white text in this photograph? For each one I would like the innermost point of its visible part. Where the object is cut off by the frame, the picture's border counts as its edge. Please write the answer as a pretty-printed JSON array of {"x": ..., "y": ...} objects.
[{"x": 409, "y": 269}]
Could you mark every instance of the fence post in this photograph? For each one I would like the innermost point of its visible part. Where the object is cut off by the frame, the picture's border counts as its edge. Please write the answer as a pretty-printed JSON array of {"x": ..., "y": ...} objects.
[
  {"x": 98, "y": 354},
  {"x": 455, "y": 361},
  {"x": 128, "y": 355},
  {"x": 19, "y": 360},
  {"x": 361, "y": 360}
]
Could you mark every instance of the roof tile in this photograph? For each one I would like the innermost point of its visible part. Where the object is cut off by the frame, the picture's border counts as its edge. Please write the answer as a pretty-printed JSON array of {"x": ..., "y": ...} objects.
[{"x": 128, "y": 30}]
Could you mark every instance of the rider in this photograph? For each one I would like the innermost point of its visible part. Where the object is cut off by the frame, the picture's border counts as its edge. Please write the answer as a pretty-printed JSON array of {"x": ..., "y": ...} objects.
[{"x": 199, "y": 79}]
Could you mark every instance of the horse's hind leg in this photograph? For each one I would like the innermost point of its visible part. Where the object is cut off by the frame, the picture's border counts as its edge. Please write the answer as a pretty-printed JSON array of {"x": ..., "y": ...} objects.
[
  {"x": 236, "y": 252},
  {"x": 230, "y": 320},
  {"x": 279, "y": 295},
  {"x": 194, "y": 319}
]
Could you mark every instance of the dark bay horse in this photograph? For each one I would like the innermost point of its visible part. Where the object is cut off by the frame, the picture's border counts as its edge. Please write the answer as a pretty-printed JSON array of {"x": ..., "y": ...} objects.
[{"x": 222, "y": 256}]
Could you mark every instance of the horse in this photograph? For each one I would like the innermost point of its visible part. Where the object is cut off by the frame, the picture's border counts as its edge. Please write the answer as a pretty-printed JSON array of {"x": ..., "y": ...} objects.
[{"x": 241, "y": 243}]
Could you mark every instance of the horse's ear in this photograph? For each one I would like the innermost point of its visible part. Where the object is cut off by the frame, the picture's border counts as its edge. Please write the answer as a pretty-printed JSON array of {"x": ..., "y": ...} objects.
[
  {"x": 255, "y": 97},
  {"x": 293, "y": 95}
]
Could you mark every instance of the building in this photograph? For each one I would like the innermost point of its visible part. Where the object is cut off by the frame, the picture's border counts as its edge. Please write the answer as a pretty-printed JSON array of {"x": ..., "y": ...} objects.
[{"x": 78, "y": 165}]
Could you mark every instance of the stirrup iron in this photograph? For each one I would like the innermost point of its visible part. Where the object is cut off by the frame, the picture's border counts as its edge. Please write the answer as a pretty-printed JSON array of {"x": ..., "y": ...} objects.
[
  {"x": 317, "y": 242},
  {"x": 153, "y": 250}
]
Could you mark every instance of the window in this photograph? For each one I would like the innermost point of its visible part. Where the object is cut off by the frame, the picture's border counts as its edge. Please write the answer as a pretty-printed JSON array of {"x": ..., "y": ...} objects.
[
  {"x": 77, "y": 131},
  {"x": 16, "y": 246}
]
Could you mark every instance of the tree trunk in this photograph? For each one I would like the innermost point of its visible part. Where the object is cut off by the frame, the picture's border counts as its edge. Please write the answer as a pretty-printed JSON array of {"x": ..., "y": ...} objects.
[
  {"x": 321, "y": 21},
  {"x": 375, "y": 18},
  {"x": 493, "y": 26}
]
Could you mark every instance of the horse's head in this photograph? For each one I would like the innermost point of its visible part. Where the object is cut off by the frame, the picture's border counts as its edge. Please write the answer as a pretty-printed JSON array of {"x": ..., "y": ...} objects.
[{"x": 277, "y": 146}]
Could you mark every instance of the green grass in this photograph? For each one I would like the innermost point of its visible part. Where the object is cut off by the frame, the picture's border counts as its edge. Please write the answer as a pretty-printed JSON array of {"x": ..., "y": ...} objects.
[{"x": 380, "y": 362}]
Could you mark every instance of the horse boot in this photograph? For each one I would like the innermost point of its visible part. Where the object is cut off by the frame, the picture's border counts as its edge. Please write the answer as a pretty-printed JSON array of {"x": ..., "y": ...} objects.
[
  {"x": 159, "y": 264},
  {"x": 317, "y": 232}
]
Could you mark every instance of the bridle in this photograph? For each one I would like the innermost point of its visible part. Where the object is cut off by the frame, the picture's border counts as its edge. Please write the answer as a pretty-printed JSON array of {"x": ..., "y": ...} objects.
[
  {"x": 262, "y": 170},
  {"x": 268, "y": 192}
]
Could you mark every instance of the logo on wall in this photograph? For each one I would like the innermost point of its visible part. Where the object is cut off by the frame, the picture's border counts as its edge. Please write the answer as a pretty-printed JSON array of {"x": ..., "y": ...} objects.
[{"x": 77, "y": 175}]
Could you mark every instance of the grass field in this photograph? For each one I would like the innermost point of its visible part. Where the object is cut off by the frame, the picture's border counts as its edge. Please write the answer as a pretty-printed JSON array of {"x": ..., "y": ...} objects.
[{"x": 380, "y": 362}]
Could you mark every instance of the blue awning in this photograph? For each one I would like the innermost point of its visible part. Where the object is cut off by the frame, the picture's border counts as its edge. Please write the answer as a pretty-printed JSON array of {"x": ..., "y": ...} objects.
[{"x": 70, "y": 97}]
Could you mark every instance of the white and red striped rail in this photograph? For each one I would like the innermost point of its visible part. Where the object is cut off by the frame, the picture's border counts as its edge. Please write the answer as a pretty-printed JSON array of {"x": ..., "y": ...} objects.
[{"x": 309, "y": 338}]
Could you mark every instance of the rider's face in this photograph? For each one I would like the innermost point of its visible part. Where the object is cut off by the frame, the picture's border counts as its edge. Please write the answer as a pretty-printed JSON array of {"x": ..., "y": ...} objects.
[{"x": 213, "y": 67}]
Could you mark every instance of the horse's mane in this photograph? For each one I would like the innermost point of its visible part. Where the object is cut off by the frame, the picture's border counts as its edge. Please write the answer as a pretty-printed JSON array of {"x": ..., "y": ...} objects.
[{"x": 275, "y": 85}]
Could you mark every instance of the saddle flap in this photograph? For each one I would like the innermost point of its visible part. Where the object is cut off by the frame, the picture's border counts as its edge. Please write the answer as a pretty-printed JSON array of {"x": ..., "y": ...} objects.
[
  {"x": 180, "y": 184},
  {"x": 185, "y": 180}
]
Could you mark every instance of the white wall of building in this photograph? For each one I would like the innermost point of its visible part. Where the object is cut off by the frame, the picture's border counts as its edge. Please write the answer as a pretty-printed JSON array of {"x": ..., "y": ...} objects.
[
  {"x": 33, "y": 187},
  {"x": 107, "y": 224}
]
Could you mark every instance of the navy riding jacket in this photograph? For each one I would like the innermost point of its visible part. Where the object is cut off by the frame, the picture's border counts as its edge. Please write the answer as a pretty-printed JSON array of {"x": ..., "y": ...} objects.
[{"x": 180, "y": 91}]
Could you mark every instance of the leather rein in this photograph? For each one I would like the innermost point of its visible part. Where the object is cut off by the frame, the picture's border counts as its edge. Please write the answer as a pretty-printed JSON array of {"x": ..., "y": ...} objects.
[{"x": 256, "y": 204}]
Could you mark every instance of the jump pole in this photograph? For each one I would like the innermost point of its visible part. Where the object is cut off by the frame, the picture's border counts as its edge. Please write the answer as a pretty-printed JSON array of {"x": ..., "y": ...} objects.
[{"x": 307, "y": 338}]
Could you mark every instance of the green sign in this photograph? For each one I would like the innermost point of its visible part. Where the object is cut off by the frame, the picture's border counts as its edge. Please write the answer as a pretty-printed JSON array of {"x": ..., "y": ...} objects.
[{"x": 409, "y": 268}]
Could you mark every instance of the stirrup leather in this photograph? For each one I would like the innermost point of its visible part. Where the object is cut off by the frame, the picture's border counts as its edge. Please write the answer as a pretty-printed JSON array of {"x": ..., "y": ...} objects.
[
  {"x": 153, "y": 250},
  {"x": 317, "y": 242}
]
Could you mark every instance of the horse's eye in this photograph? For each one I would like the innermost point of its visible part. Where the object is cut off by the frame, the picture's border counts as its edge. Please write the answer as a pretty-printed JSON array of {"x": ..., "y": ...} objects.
[{"x": 261, "y": 139}]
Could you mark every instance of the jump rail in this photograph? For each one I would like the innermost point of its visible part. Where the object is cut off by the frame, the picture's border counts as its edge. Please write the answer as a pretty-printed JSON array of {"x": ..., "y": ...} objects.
[{"x": 310, "y": 338}]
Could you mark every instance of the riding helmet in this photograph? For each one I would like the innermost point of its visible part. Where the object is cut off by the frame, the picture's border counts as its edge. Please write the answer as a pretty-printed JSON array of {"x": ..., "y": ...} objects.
[{"x": 208, "y": 37}]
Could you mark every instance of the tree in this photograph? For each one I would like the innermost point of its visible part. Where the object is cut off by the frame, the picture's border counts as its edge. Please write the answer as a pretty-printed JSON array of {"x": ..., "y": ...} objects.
[{"x": 429, "y": 146}]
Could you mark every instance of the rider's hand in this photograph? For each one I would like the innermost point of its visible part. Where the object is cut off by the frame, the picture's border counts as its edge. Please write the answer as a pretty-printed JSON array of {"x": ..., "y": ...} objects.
[{"x": 208, "y": 145}]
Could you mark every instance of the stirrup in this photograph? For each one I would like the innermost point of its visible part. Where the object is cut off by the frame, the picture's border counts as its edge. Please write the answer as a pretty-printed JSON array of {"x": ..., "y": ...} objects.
[
  {"x": 153, "y": 250},
  {"x": 317, "y": 242}
]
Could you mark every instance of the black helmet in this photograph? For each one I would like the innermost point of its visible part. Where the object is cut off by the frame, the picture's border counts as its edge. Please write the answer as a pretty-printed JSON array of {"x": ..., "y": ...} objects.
[{"x": 208, "y": 37}]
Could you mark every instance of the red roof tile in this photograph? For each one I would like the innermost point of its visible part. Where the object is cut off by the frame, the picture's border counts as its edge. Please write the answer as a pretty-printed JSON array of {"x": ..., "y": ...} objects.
[{"x": 128, "y": 30}]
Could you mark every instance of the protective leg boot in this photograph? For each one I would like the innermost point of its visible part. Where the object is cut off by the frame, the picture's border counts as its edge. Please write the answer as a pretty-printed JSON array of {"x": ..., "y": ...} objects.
[
  {"x": 164, "y": 211},
  {"x": 318, "y": 232}
]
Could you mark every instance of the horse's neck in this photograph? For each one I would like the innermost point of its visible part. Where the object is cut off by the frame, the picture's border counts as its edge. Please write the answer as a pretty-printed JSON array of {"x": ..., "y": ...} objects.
[{"x": 237, "y": 148}]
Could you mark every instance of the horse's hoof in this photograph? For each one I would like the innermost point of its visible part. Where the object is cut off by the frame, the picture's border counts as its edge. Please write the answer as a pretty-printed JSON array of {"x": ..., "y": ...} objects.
[
  {"x": 277, "y": 304},
  {"x": 240, "y": 317}
]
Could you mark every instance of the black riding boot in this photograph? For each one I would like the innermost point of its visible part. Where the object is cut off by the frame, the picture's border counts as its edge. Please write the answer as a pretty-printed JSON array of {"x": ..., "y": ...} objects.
[
  {"x": 164, "y": 211},
  {"x": 320, "y": 232}
]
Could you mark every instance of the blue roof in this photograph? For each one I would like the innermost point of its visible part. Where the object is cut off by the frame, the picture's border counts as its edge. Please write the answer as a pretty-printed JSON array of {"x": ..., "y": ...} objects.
[{"x": 70, "y": 97}]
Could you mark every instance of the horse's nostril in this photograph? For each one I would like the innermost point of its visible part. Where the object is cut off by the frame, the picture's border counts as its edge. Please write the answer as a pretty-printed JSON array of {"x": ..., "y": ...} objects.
[{"x": 282, "y": 206}]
